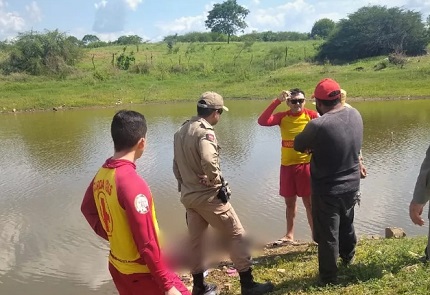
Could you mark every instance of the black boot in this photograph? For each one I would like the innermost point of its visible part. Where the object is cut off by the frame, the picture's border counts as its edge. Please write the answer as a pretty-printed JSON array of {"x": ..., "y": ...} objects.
[
  {"x": 202, "y": 288},
  {"x": 249, "y": 287}
]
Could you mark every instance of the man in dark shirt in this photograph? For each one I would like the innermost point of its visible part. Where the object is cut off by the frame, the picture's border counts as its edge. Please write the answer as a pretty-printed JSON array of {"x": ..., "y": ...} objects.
[{"x": 335, "y": 176}]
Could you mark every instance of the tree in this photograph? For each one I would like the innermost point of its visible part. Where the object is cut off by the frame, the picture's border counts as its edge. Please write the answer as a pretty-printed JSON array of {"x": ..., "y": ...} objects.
[
  {"x": 227, "y": 18},
  {"x": 74, "y": 40},
  {"x": 129, "y": 40},
  {"x": 427, "y": 25},
  {"x": 88, "y": 39},
  {"x": 373, "y": 31},
  {"x": 35, "y": 53},
  {"x": 322, "y": 28}
]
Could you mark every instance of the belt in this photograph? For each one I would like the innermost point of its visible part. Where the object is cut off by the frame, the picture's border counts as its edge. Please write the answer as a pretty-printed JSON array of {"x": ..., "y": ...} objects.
[
  {"x": 288, "y": 143},
  {"x": 121, "y": 260}
]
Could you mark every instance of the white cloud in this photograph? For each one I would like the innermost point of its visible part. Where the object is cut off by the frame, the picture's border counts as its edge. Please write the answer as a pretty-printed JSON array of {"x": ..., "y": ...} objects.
[
  {"x": 34, "y": 11},
  {"x": 183, "y": 24},
  {"x": 280, "y": 16},
  {"x": 256, "y": 1},
  {"x": 133, "y": 3},
  {"x": 10, "y": 22},
  {"x": 100, "y": 5}
]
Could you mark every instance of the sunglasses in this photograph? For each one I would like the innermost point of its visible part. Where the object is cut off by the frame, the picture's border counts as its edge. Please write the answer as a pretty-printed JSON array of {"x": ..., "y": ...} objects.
[
  {"x": 295, "y": 101},
  {"x": 220, "y": 111}
]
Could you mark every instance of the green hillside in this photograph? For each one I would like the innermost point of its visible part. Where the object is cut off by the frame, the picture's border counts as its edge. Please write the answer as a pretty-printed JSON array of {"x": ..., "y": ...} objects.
[{"x": 237, "y": 70}]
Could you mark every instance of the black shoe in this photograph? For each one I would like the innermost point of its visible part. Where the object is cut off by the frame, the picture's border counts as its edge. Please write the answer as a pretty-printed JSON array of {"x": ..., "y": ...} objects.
[
  {"x": 257, "y": 289},
  {"x": 327, "y": 282},
  {"x": 425, "y": 258},
  {"x": 347, "y": 262},
  {"x": 208, "y": 289}
]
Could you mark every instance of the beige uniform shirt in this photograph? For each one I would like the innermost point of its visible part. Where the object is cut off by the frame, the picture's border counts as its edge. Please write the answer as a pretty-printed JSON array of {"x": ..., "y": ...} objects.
[{"x": 196, "y": 152}]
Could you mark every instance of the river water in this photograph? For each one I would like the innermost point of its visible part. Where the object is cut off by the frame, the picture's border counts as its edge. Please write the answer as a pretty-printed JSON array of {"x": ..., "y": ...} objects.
[{"x": 49, "y": 158}]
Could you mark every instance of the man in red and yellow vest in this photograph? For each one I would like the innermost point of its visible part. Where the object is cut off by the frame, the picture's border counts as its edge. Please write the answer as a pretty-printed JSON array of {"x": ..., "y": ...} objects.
[
  {"x": 118, "y": 205},
  {"x": 295, "y": 168}
]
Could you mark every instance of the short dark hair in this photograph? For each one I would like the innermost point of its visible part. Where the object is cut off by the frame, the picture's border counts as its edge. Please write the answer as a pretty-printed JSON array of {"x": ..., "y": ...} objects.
[
  {"x": 204, "y": 112},
  {"x": 127, "y": 128},
  {"x": 296, "y": 91},
  {"x": 329, "y": 103}
]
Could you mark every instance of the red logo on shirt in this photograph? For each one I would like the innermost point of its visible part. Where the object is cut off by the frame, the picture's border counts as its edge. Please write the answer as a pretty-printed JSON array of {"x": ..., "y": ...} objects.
[{"x": 105, "y": 217}]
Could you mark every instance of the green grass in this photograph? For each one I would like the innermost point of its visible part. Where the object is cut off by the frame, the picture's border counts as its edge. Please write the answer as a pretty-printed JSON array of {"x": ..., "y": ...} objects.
[
  {"x": 237, "y": 70},
  {"x": 386, "y": 266}
]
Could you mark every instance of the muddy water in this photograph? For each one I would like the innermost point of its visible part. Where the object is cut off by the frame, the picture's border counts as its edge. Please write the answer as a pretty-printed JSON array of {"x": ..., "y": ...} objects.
[{"x": 49, "y": 158}]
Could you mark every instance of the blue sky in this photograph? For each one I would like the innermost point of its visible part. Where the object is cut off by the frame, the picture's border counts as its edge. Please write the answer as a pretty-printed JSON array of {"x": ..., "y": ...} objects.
[{"x": 154, "y": 19}]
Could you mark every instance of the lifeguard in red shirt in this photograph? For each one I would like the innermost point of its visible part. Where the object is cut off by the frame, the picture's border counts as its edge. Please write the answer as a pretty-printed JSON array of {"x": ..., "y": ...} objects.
[
  {"x": 119, "y": 207},
  {"x": 295, "y": 168}
]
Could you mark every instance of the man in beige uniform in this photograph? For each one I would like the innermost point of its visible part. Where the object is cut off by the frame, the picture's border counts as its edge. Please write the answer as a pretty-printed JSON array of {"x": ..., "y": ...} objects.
[{"x": 196, "y": 167}]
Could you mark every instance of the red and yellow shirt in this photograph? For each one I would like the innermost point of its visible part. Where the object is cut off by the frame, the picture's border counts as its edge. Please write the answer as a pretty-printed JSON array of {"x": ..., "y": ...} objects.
[
  {"x": 290, "y": 124},
  {"x": 119, "y": 207}
]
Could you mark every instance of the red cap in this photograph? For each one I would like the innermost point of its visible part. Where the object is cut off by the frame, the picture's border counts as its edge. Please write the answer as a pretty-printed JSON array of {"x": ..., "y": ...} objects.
[{"x": 327, "y": 89}]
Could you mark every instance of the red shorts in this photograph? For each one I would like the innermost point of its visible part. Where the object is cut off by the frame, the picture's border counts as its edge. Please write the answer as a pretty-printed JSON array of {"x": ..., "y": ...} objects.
[
  {"x": 295, "y": 180},
  {"x": 142, "y": 283}
]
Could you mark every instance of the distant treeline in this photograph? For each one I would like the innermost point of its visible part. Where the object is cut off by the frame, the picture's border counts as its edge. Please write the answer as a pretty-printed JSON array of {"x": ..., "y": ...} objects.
[{"x": 268, "y": 36}]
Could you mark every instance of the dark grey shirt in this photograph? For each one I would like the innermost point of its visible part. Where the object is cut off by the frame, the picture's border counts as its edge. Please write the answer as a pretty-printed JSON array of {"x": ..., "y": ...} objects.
[
  {"x": 335, "y": 141},
  {"x": 422, "y": 186}
]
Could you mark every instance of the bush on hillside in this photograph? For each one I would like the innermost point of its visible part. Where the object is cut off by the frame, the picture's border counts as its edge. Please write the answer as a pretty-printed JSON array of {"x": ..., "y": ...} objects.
[
  {"x": 398, "y": 59},
  {"x": 51, "y": 53}
]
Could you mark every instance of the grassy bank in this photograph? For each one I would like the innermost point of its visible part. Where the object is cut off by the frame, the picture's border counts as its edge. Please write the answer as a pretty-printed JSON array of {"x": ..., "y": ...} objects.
[
  {"x": 240, "y": 70},
  {"x": 383, "y": 266}
]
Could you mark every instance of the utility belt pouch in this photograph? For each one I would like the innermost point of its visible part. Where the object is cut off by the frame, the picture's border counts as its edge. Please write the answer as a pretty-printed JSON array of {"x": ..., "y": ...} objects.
[{"x": 224, "y": 192}]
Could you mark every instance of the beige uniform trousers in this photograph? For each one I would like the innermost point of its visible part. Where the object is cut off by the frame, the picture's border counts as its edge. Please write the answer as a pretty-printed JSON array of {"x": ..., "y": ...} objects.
[{"x": 228, "y": 225}]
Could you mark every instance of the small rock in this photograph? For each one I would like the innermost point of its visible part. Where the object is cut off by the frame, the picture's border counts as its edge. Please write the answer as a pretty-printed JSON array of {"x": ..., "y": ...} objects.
[
  {"x": 411, "y": 268},
  {"x": 394, "y": 232},
  {"x": 14, "y": 110}
]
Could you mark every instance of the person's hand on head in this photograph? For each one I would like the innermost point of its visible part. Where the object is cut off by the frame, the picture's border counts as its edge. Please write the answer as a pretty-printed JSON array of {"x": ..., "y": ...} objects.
[
  {"x": 415, "y": 211},
  {"x": 284, "y": 95}
]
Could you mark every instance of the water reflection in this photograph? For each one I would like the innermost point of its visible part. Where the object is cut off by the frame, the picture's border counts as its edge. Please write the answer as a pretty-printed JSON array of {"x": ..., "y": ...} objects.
[{"x": 49, "y": 158}]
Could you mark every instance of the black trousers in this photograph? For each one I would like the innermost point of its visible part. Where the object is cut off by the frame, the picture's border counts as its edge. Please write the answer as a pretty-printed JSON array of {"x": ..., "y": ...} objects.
[{"x": 333, "y": 217}]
